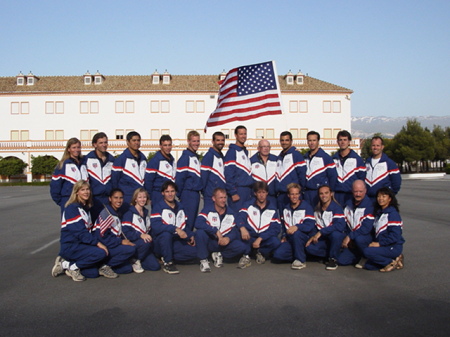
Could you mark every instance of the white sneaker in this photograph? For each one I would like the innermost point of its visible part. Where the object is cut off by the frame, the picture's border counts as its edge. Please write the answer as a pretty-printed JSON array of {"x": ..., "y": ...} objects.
[
  {"x": 218, "y": 259},
  {"x": 297, "y": 264},
  {"x": 260, "y": 259},
  {"x": 107, "y": 272},
  {"x": 57, "y": 268},
  {"x": 204, "y": 266},
  {"x": 361, "y": 263},
  {"x": 244, "y": 262},
  {"x": 137, "y": 267}
]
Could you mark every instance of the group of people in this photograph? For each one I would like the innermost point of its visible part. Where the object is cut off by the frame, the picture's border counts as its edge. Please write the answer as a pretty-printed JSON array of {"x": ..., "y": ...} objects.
[{"x": 285, "y": 208}]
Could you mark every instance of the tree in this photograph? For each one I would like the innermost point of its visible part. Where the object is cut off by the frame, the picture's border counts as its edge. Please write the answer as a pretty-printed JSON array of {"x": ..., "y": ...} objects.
[
  {"x": 442, "y": 147},
  {"x": 413, "y": 145},
  {"x": 43, "y": 164},
  {"x": 11, "y": 166}
]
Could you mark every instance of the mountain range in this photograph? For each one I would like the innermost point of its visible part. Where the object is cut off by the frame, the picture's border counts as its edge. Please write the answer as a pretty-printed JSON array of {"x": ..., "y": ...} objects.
[{"x": 364, "y": 127}]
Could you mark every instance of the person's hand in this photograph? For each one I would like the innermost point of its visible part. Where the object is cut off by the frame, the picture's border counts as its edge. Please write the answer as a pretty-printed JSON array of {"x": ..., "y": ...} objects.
[
  {"x": 374, "y": 244},
  {"x": 191, "y": 241},
  {"x": 291, "y": 230},
  {"x": 257, "y": 243},
  {"x": 313, "y": 239},
  {"x": 345, "y": 242},
  {"x": 146, "y": 237},
  {"x": 181, "y": 233},
  {"x": 245, "y": 234},
  {"x": 102, "y": 246},
  {"x": 235, "y": 198},
  {"x": 223, "y": 241},
  {"x": 127, "y": 242}
]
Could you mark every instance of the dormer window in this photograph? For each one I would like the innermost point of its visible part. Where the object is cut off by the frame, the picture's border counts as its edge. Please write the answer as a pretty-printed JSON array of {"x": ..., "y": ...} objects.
[
  {"x": 222, "y": 75},
  {"x": 300, "y": 78},
  {"x": 290, "y": 78},
  {"x": 31, "y": 79},
  {"x": 98, "y": 78},
  {"x": 20, "y": 79},
  {"x": 155, "y": 77},
  {"x": 166, "y": 78},
  {"x": 87, "y": 78}
]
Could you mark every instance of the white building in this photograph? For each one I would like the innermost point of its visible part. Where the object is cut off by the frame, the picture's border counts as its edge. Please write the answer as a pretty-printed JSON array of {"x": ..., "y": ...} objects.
[{"x": 40, "y": 113}]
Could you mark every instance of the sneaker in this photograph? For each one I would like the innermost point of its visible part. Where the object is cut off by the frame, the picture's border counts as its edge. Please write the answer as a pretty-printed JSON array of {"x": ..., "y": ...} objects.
[
  {"x": 361, "y": 263},
  {"x": 244, "y": 262},
  {"x": 297, "y": 264},
  {"x": 260, "y": 259},
  {"x": 75, "y": 275},
  {"x": 331, "y": 265},
  {"x": 57, "y": 268},
  {"x": 390, "y": 267},
  {"x": 399, "y": 261},
  {"x": 204, "y": 266},
  {"x": 218, "y": 259},
  {"x": 107, "y": 272},
  {"x": 170, "y": 268},
  {"x": 137, "y": 267}
]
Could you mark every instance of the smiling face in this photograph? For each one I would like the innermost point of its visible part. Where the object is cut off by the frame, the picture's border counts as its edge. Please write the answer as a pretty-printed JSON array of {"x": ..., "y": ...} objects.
[
  {"x": 285, "y": 142},
  {"x": 83, "y": 194},
  {"x": 134, "y": 144},
  {"x": 101, "y": 145},
  {"x": 241, "y": 136},
  {"x": 220, "y": 199},
  {"x": 74, "y": 150},
  {"x": 116, "y": 200},
  {"x": 166, "y": 147},
  {"x": 294, "y": 196},
  {"x": 377, "y": 148},
  {"x": 359, "y": 191},
  {"x": 383, "y": 200},
  {"x": 313, "y": 142},
  {"x": 141, "y": 199},
  {"x": 194, "y": 143},
  {"x": 264, "y": 147},
  {"x": 169, "y": 194},
  {"x": 325, "y": 195},
  {"x": 218, "y": 142}
]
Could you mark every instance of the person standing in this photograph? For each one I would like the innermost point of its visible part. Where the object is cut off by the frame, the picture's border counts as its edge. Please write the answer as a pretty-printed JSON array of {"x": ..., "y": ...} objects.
[
  {"x": 238, "y": 171},
  {"x": 320, "y": 169},
  {"x": 291, "y": 168},
  {"x": 264, "y": 166},
  {"x": 188, "y": 178},
  {"x": 349, "y": 167},
  {"x": 98, "y": 165},
  {"x": 382, "y": 171},
  {"x": 212, "y": 174},
  {"x": 68, "y": 171},
  {"x": 128, "y": 169},
  {"x": 160, "y": 168}
]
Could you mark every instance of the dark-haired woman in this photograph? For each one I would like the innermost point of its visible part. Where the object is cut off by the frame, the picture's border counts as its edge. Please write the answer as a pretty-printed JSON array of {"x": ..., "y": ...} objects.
[{"x": 385, "y": 253}]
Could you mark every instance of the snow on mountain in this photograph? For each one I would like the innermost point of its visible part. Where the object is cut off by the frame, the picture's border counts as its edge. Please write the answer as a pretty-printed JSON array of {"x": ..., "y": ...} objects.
[{"x": 364, "y": 127}]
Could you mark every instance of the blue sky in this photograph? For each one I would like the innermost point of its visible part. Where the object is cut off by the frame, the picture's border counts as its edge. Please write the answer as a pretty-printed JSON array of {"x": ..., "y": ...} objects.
[{"x": 395, "y": 55}]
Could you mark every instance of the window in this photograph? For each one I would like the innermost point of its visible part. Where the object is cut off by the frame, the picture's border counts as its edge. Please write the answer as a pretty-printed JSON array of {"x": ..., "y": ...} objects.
[
  {"x": 166, "y": 79},
  {"x": 159, "y": 106},
  {"x": 87, "y": 134},
  {"x": 54, "y": 107},
  {"x": 54, "y": 134},
  {"x": 259, "y": 133},
  {"x": 20, "y": 81},
  {"x": 20, "y": 135},
  {"x": 155, "y": 134},
  {"x": 155, "y": 79},
  {"x": 119, "y": 107},
  {"x": 294, "y": 133},
  {"x": 30, "y": 80},
  {"x": 89, "y": 107},
  {"x": 326, "y": 106},
  {"x": 129, "y": 107},
  {"x": 124, "y": 106},
  {"x": 120, "y": 133},
  {"x": 226, "y": 132},
  {"x": 335, "y": 132},
  {"x": 298, "y": 106},
  {"x": 299, "y": 79},
  {"x": 87, "y": 80},
  {"x": 195, "y": 106},
  {"x": 20, "y": 108},
  {"x": 327, "y": 133},
  {"x": 98, "y": 80},
  {"x": 303, "y": 133},
  {"x": 337, "y": 106},
  {"x": 265, "y": 133}
]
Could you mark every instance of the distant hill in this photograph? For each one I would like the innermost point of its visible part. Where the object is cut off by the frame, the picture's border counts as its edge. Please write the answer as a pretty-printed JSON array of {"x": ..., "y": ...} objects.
[{"x": 364, "y": 127}]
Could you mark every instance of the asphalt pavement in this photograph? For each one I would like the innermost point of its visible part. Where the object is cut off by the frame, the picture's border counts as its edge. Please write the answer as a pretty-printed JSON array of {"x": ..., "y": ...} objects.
[{"x": 263, "y": 300}]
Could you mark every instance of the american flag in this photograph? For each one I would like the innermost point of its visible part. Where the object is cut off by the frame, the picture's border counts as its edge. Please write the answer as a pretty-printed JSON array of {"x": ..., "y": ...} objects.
[
  {"x": 247, "y": 92},
  {"x": 104, "y": 221}
]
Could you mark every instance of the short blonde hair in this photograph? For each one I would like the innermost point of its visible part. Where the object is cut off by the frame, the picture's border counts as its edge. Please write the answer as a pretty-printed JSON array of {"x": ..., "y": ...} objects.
[
  {"x": 74, "y": 195},
  {"x": 135, "y": 194}
]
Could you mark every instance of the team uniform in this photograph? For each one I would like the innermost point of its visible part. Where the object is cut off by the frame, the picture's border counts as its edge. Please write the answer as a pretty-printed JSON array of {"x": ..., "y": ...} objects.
[
  {"x": 388, "y": 233},
  {"x": 291, "y": 168},
  {"x": 159, "y": 170},
  {"x": 108, "y": 230},
  {"x": 265, "y": 172},
  {"x": 99, "y": 173},
  {"x": 208, "y": 222},
  {"x": 348, "y": 169},
  {"x": 63, "y": 180},
  {"x": 78, "y": 244},
  {"x": 238, "y": 176},
  {"x": 128, "y": 174},
  {"x": 189, "y": 183},
  {"x": 359, "y": 221},
  {"x": 320, "y": 170},
  {"x": 331, "y": 224},
  {"x": 168, "y": 244},
  {"x": 133, "y": 225},
  {"x": 294, "y": 248},
  {"x": 261, "y": 223},
  {"x": 212, "y": 174},
  {"x": 384, "y": 173}
]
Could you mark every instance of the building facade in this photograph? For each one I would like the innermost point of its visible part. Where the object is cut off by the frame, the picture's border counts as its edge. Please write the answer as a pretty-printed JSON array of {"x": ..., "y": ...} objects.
[{"x": 39, "y": 114}]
